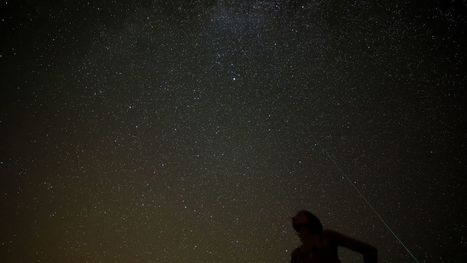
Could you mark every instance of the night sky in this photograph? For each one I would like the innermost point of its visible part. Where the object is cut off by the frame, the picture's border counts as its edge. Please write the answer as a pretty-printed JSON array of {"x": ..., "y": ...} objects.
[{"x": 192, "y": 131}]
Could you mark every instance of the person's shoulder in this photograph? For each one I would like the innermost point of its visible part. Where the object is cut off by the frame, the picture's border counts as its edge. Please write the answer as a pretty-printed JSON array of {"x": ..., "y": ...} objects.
[{"x": 330, "y": 233}]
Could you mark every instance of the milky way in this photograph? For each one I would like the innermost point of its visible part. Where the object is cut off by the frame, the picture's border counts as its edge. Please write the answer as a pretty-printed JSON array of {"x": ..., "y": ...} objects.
[{"x": 192, "y": 131}]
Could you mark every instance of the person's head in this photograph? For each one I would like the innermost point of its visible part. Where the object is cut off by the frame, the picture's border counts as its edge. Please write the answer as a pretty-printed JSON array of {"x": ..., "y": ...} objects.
[{"x": 307, "y": 226}]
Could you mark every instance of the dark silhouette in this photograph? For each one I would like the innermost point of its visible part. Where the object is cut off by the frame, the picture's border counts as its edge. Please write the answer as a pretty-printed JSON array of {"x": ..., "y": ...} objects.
[{"x": 320, "y": 245}]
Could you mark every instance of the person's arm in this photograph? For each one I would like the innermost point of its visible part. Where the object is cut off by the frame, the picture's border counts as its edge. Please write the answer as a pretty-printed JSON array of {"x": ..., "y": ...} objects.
[{"x": 370, "y": 254}]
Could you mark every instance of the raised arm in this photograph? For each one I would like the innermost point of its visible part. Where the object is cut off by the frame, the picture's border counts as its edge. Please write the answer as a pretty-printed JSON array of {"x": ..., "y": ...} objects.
[{"x": 370, "y": 254}]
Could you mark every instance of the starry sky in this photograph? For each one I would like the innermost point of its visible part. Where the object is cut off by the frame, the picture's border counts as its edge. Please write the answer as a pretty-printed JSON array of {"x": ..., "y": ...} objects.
[{"x": 192, "y": 131}]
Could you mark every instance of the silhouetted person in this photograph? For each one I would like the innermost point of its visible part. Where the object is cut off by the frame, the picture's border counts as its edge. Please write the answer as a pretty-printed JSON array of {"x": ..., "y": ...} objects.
[{"x": 320, "y": 245}]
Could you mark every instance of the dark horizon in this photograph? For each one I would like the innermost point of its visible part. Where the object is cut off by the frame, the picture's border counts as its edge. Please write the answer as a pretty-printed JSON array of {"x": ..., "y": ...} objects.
[{"x": 192, "y": 131}]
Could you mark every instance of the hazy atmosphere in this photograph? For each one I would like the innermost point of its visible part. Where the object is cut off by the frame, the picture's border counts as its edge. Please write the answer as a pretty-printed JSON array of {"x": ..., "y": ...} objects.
[{"x": 192, "y": 131}]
